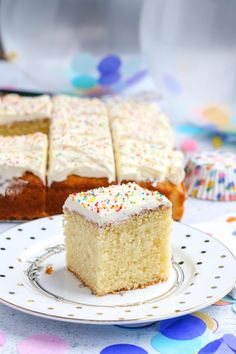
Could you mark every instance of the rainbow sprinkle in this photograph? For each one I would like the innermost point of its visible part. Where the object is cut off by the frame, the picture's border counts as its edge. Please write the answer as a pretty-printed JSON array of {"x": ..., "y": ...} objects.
[{"x": 118, "y": 199}]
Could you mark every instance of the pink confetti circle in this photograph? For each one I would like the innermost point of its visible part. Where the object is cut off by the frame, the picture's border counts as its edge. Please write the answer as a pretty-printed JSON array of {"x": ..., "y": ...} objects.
[
  {"x": 189, "y": 145},
  {"x": 42, "y": 343},
  {"x": 2, "y": 339}
]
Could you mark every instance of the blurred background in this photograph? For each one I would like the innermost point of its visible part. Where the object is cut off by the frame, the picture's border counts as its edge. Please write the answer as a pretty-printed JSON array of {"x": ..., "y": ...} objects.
[
  {"x": 77, "y": 46},
  {"x": 179, "y": 52}
]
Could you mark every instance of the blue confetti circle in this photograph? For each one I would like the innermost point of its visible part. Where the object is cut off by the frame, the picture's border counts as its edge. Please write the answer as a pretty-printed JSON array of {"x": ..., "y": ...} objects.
[
  {"x": 123, "y": 349},
  {"x": 230, "y": 340},
  {"x": 165, "y": 345},
  {"x": 84, "y": 82},
  {"x": 183, "y": 328},
  {"x": 109, "y": 79},
  {"x": 212, "y": 347},
  {"x": 83, "y": 63},
  {"x": 109, "y": 64}
]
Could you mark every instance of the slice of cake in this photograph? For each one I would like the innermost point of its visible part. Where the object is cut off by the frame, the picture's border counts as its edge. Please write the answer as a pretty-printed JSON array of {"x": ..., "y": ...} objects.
[
  {"x": 118, "y": 238},
  {"x": 81, "y": 152},
  {"x": 144, "y": 151},
  {"x": 21, "y": 115},
  {"x": 22, "y": 176}
]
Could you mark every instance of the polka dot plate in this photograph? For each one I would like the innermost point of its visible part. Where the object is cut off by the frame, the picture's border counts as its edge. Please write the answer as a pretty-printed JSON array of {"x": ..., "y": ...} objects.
[{"x": 34, "y": 278}]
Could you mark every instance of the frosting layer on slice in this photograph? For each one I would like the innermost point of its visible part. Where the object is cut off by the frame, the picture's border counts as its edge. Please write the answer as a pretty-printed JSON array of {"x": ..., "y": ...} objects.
[{"x": 114, "y": 203}]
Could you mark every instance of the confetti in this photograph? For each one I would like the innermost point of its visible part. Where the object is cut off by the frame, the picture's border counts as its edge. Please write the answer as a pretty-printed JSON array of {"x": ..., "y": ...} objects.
[
  {"x": 42, "y": 343},
  {"x": 189, "y": 145},
  {"x": 231, "y": 219},
  {"x": 123, "y": 349},
  {"x": 217, "y": 142},
  {"x": 183, "y": 328}
]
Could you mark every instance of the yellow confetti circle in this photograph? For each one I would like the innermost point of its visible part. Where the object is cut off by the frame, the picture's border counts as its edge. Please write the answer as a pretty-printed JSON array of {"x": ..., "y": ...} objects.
[{"x": 210, "y": 322}]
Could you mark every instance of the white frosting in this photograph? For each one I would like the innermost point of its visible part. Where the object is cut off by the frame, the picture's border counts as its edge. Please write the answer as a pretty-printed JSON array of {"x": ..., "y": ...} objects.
[
  {"x": 135, "y": 110},
  {"x": 80, "y": 140},
  {"x": 20, "y": 154},
  {"x": 144, "y": 144},
  {"x": 176, "y": 172},
  {"x": 87, "y": 157},
  {"x": 115, "y": 203},
  {"x": 79, "y": 105},
  {"x": 15, "y": 108},
  {"x": 149, "y": 131},
  {"x": 140, "y": 161}
]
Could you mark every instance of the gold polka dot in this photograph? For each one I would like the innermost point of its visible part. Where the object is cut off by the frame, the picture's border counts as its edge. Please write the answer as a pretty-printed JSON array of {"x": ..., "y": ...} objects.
[
  {"x": 223, "y": 256},
  {"x": 155, "y": 307},
  {"x": 70, "y": 315},
  {"x": 121, "y": 318},
  {"x": 221, "y": 266},
  {"x": 177, "y": 311},
  {"x": 181, "y": 302},
  {"x": 50, "y": 308},
  {"x": 213, "y": 287},
  {"x": 127, "y": 310},
  {"x": 149, "y": 315},
  {"x": 20, "y": 284},
  {"x": 79, "y": 307},
  {"x": 99, "y": 313},
  {"x": 30, "y": 300},
  {"x": 19, "y": 260},
  {"x": 209, "y": 297}
]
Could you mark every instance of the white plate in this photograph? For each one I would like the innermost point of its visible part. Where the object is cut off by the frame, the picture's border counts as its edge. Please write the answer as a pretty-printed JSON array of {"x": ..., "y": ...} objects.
[{"x": 203, "y": 271}]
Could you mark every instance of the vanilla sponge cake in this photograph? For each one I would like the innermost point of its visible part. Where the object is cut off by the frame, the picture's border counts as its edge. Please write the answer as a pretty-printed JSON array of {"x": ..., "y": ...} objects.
[
  {"x": 118, "y": 237},
  {"x": 20, "y": 115}
]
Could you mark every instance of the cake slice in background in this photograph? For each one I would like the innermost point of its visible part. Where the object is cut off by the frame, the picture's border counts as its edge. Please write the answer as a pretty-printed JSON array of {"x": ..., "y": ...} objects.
[
  {"x": 23, "y": 162},
  {"x": 21, "y": 115},
  {"x": 81, "y": 152},
  {"x": 118, "y": 238},
  {"x": 145, "y": 152}
]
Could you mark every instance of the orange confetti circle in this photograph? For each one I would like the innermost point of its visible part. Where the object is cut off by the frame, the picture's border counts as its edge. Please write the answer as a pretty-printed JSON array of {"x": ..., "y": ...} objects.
[{"x": 216, "y": 115}]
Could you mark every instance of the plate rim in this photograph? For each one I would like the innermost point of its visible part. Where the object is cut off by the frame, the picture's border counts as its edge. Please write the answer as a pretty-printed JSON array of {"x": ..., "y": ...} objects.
[{"x": 62, "y": 318}]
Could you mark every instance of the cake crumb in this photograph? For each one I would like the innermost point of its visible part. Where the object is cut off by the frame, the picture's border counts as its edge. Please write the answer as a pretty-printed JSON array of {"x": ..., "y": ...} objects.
[{"x": 49, "y": 269}]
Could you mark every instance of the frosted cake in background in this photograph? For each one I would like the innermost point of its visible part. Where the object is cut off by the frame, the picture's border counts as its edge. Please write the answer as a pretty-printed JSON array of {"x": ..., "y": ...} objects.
[
  {"x": 144, "y": 151},
  {"x": 23, "y": 162},
  {"x": 81, "y": 152},
  {"x": 21, "y": 115},
  {"x": 95, "y": 144}
]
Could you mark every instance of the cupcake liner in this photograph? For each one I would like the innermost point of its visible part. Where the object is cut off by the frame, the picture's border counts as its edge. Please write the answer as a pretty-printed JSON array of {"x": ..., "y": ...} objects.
[{"x": 212, "y": 176}]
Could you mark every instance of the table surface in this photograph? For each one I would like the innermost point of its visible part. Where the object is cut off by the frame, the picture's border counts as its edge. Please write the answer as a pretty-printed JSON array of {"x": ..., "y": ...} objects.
[{"x": 24, "y": 334}]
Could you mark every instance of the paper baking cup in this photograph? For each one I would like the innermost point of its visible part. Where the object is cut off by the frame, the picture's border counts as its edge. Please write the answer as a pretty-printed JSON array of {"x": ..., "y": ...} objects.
[{"x": 212, "y": 176}]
